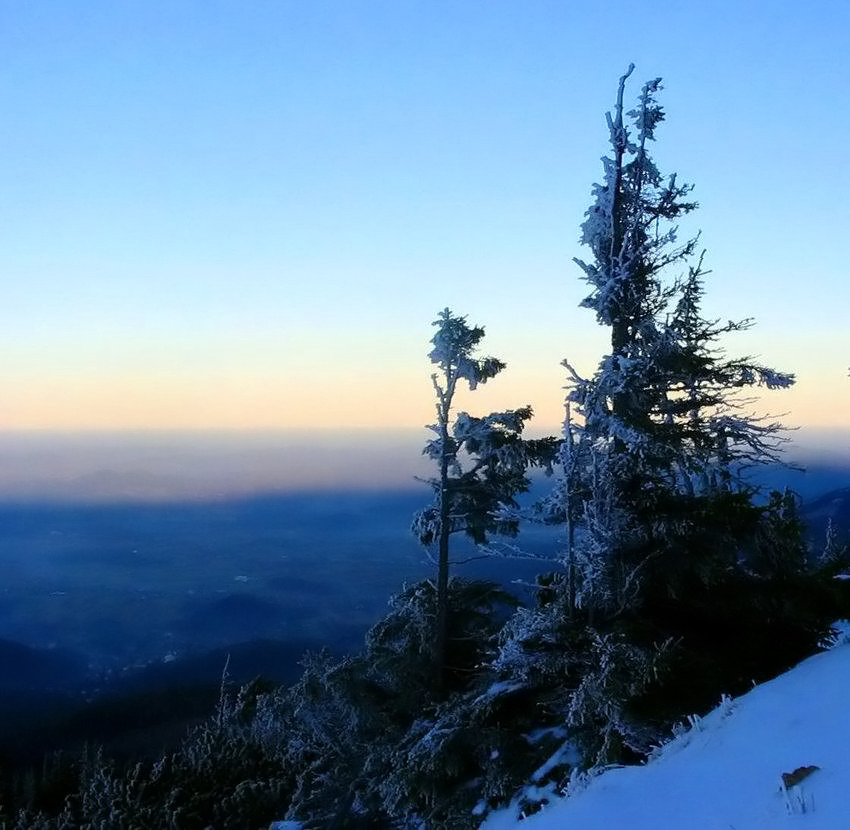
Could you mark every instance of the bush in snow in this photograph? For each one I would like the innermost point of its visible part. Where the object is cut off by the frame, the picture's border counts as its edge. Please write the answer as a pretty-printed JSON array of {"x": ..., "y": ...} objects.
[
  {"x": 228, "y": 772},
  {"x": 358, "y": 728}
]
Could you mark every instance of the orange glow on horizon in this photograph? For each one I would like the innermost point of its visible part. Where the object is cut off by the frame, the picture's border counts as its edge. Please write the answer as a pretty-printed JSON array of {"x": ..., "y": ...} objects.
[{"x": 269, "y": 403}]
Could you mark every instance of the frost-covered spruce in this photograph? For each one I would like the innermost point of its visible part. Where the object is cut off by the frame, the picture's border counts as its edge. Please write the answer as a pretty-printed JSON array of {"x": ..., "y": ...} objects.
[
  {"x": 664, "y": 423},
  {"x": 481, "y": 461},
  {"x": 666, "y": 547}
]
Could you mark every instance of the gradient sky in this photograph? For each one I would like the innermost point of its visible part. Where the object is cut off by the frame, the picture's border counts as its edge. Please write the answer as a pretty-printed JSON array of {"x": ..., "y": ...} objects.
[{"x": 247, "y": 214}]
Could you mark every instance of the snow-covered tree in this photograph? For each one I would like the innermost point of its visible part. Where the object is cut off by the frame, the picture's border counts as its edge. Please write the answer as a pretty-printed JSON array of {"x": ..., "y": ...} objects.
[
  {"x": 664, "y": 423},
  {"x": 679, "y": 582},
  {"x": 482, "y": 461}
]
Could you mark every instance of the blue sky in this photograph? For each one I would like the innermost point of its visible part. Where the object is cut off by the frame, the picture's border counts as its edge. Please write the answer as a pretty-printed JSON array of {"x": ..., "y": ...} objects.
[{"x": 246, "y": 215}]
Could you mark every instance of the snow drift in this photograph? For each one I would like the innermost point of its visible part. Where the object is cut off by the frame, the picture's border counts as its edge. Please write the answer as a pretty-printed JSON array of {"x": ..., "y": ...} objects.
[{"x": 726, "y": 771}]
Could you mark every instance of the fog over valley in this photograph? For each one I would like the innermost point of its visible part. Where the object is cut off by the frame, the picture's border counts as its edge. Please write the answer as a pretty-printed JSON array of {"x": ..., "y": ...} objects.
[
  {"x": 133, "y": 565},
  {"x": 127, "y": 549},
  {"x": 162, "y": 466},
  {"x": 119, "y": 466}
]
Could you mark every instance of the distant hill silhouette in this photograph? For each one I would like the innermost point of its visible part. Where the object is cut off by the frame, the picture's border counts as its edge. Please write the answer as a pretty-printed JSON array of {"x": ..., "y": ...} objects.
[
  {"x": 833, "y": 506},
  {"x": 26, "y": 668},
  {"x": 139, "y": 712}
]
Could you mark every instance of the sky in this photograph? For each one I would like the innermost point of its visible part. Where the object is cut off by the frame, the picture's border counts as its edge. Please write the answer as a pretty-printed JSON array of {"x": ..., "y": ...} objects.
[{"x": 246, "y": 215}]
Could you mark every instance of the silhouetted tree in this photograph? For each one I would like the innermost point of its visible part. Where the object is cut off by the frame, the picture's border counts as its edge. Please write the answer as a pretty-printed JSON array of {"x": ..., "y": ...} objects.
[
  {"x": 482, "y": 462},
  {"x": 664, "y": 426}
]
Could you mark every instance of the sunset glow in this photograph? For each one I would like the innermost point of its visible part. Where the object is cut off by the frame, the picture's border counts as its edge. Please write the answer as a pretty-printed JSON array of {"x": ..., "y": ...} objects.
[{"x": 247, "y": 218}]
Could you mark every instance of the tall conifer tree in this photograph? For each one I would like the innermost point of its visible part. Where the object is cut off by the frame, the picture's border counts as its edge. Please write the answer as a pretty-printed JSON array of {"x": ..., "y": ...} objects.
[
  {"x": 663, "y": 421},
  {"x": 680, "y": 583},
  {"x": 482, "y": 462}
]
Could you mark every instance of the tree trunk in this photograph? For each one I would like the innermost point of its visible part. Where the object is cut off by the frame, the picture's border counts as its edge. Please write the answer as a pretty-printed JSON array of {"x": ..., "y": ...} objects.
[{"x": 442, "y": 620}]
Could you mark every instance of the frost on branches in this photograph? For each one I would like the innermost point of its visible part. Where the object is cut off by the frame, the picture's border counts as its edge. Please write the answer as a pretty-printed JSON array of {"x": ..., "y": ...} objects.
[
  {"x": 666, "y": 428},
  {"x": 482, "y": 461},
  {"x": 668, "y": 557}
]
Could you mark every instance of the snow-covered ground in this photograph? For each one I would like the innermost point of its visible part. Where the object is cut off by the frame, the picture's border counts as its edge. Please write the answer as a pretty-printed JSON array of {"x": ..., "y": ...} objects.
[{"x": 726, "y": 772}]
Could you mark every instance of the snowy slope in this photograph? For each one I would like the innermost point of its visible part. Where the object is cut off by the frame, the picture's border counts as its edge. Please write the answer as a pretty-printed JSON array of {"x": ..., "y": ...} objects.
[{"x": 725, "y": 773}]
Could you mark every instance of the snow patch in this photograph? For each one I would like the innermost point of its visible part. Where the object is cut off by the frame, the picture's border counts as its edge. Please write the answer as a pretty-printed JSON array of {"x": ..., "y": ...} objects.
[{"x": 731, "y": 768}]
